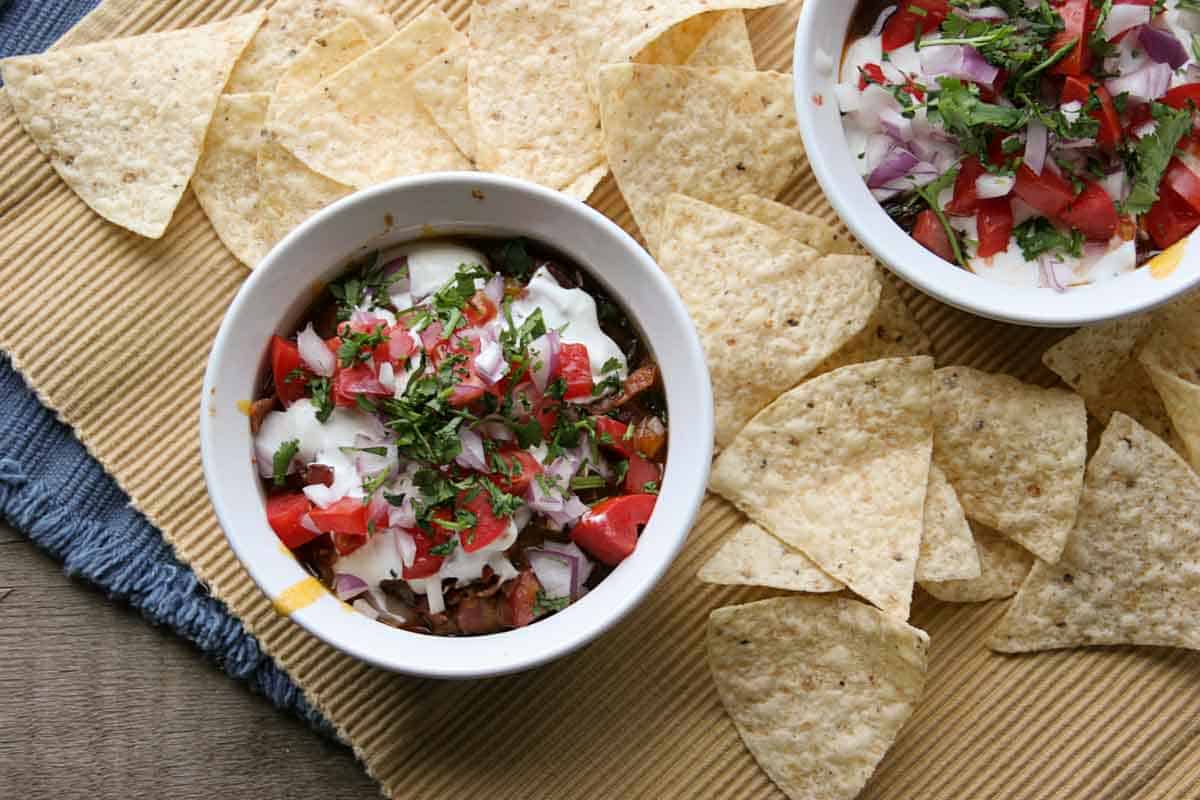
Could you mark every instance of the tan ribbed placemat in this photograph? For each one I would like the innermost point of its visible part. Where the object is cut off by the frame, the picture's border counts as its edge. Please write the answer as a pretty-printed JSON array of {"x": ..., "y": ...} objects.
[{"x": 113, "y": 331}]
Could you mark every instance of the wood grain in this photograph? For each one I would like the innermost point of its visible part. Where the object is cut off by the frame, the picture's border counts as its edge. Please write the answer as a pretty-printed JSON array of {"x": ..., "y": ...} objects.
[{"x": 96, "y": 703}]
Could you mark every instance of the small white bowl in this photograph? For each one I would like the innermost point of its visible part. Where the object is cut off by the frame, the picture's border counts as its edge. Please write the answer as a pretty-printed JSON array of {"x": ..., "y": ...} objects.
[
  {"x": 281, "y": 288},
  {"x": 820, "y": 36}
]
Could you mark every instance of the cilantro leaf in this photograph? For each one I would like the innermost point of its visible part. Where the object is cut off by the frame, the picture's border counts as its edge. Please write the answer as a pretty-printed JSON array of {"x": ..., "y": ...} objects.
[
  {"x": 1037, "y": 235},
  {"x": 1150, "y": 155},
  {"x": 445, "y": 548},
  {"x": 547, "y": 605},
  {"x": 513, "y": 259},
  {"x": 282, "y": 460},
  {"x": 322, "y": 397}
]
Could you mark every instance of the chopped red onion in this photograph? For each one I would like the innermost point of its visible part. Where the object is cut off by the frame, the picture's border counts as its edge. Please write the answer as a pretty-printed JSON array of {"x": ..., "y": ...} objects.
[
  {"x": 848, "y": 96},
  {"x": 958, "y": 61},
  {"x": 1162, "y": 46},
  {"x": 490, "y": 363},
  {"x": 406, "y": 545},
  {"x": 362, "y": 317},
  {"x": 366, "y": 609},
  {"x": 1046, "y": 274},
  {"x": 472, "y": 456},
  {"x": 367, "y": 384},
  {"x": 986, "y": 13},
  {"x": 1122, "y": 17},
  {"x": 1144, "y": 85},
  {"x": 1071, "y": 110},
  {"x": 494, "y": 289},
  {"x": 556, "y": 572},
  {"x": 572, "y": 510},
  {"x": 896, "y": 125},
  {"x": 572, "y": 549},
  {"x": 495, "y": 429},
  {"x": 307, "y": 523},
  {"x": 377, "y": 510},
  {"x": 346, "y": 585},
  {"x": 544, "y": 352},
  {"x": 988, "y": 185},
  {"x": 895, "y": 165},
  {"x": 881, "y": 20},
  {"x": 1035, "y": 145},
  {"x": 403, "y": 515},
  {"x": 315, "y": 354}
]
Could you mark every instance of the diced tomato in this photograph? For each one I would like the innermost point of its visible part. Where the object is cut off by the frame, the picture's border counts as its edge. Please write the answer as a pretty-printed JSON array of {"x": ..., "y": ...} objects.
[
  {"x": 1184, "y": 182},
  {"x": 966, "y": 197},
  {"x": 425, "y": 564},
  {"x": 1170, "y": 219},
  {"x": 901, "y": 27},
  {"x": 488, "y": 527},
  {"x": 913, "y": 89},
  {"x": 546, "y": 414},
  {"x": 284, "y": 512},
  {"x": 929, "y": 232},
  {"x": 520, "y": 468},
  {"x": 396, "y": 348},
  {"x": 479, "y": 309},
  {"x": 468, "y": 391},
  {"x": 1180, "y": 96},
  {"x": 1078, "y": 90},
  {"x": 611, "y": 434},
  {"x": 432, "y": 341},
  {"x": 1074, "y": 14},
  {"x": 641, "y": 472},
  {"x": 870, "y": 72},
  {"x": 1093, "y": 213},
  {"x": 348, "y": 515},
  {"x": 1048, "y": 193},
  {"x": 995, "y": 225},
  {"x": 520, "y": 597},
  {"x": 285, "y": 357},
  {"x": 608, "y": 533},
  {"x": 575, "y": 368},
  {"x": 347, "y": 543},
  {"x": 996, "y": 155},
  {"x": 350, "y": 382}
]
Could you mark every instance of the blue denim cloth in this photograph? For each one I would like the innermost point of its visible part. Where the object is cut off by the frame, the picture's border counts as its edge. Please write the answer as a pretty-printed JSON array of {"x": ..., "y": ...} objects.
[{"x": 60, "y": 497}]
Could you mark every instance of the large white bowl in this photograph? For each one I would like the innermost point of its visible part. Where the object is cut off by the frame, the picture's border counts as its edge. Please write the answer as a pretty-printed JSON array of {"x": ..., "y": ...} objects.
[
  {"x": 820, "y": 35},
  {"x": 276, "y": 294}
]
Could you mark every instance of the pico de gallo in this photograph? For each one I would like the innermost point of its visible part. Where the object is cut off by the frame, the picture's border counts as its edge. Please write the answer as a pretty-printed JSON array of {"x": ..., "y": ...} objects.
[
  {"x": 461, "y": 437},
  {"x": 1039, "y": 143}
]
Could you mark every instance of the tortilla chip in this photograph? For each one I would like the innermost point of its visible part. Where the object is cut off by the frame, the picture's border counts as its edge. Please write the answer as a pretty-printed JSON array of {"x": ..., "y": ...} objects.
[
  {"x": 123, "y": 121},
  {"x": 617, "y": 30},
  {"x": 768, "y": 309},
  {"x": 1131, "y": 571},
  {"x": 289, "y": 27},
  {"x": 324, "y": 55},
  {"x": 706, "y": 133},
  {"x": 441, "y": 86},
  {"x": 812, "y": 230},
  {"x": 288, "y": 191},
  {"x": 838, "y": 468},
  {"x": 1003, "y": 566},
  {"x": 363, "y": 124},
  {"x": 818, "y": 687},
  {"x": 1175, "y": 378},
  {"x": 529, "y": 105},
  {"x": 1014, "y": 452},
  {"x": 1100, "y": 362},
  {"x": 753, "y": 557},
  {"x": 585, "y": 184},
  {"x": 713, "y": 39},
  {"x": 226, "y": 179},
  {"x": 947, "y": 547}
]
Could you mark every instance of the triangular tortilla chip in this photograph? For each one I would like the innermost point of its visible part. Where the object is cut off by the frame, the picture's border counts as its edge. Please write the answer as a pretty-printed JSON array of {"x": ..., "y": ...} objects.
[
  {"x": 1131, "y": 570},
  {"x": 226, "y": 179},
  {"x": 529, "y": 104},
  {"x": 712, "y": 39},
  {"x": 818, "y": 687},
  {"x": 1003, "y": 565},
  {"x": 768, "y": 309},
  {"x": 1014, "y": 452},
  {"x": 583, "y": 186},
  {"x": 123, "y": 121},
  {"x": 706, "y": 133},
  {"x": 947, "y": 546},
  {"x": 1171, "y": 357},
  {"x": 324, "y": 55},
  {"x": 753, "y": 557},
  {"x": 441, "y": 86},
  {"x": 363, "y": 124},
  {"x": 290, "y": 25},
  {"x": 288, "y": 191},
  {"x": 838, "y": 468},
  {"x": 891, "y": 331}
]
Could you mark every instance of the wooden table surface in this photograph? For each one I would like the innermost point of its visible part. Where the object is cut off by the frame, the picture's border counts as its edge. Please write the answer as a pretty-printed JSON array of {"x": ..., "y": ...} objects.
[{"x": 96, "y": 703}]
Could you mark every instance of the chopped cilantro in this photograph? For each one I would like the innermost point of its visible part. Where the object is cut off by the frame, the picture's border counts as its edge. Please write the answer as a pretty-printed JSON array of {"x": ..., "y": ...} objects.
[
  {"x": 513, "y": 259},
  {"x": 445, "y": 548},
  {"x": 503, "y": 504},
  {"x": 1150, "y": 155},
  {"x": 282, "y": 460},
  {"x": 587, "y": 482},
  {"x": 357, "y": 345},
  {"x": 394, "y": 499},
  {"x": 463, "y": 520},
  {"x": 650, "y": 487},
  {"x": 372, "y": 482},
  {"x": 528, "y": 433},
  {"x": 548, "y": 605},
  {"x": 1038, "y": 235},
  {"x": 619, "y": 471},
  {"x": 322, "y": 397}
]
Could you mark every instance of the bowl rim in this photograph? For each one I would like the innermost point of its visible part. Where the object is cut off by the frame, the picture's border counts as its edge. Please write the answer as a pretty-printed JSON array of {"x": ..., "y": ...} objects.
[
  {"x": 686, "y": 490},
  {"x": 950, "y": 284}
]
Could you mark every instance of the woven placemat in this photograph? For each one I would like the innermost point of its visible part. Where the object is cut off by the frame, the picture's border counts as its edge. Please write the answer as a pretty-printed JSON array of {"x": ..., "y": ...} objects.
[{"x": 113, "y": 331}]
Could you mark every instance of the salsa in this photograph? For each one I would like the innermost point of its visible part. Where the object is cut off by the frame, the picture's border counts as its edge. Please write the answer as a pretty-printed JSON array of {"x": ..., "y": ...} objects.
[
  {"x": 461, "y": 436},
  {"x": 1051, "y": 144}
]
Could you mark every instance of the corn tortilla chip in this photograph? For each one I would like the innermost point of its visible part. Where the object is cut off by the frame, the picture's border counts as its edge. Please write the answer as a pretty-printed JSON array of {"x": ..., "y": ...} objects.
[
  {"x": 441, "y": 86},
  {"x": 838, "y": 467},
  {"x": 324, "y": 55},
  {"x": 1175, "y": 378},
  {"x": 818, "y": 687},
  {"x": 1014, "y": 453},
  {"x": 768, "y": 309},
  {"x": 585, "y": 184},
  {"x": 812, "y": 230},
  {"x": 713, "y": 39},
  {"x": 288, "y": 191},
  {"x": 753, "y": 557},
  {"x": 1003, "y": 565},
  {"x": 1131, "y": 571},
  {"x": 706, "y": 133},
  {"x": 363, "y": 124},
  {"x": 530, "y": 110},
  {"x": 226, "y": 179},
  {"x": 123, "y": 121},
  {"x": 947, "y": 547},
  {"x": 289, "y": 27}
]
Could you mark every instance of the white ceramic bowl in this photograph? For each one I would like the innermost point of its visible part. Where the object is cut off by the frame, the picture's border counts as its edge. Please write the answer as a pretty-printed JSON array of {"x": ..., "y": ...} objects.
[
  {"x": 279, "y": 290},
  {"x": 818, "y": 52}
]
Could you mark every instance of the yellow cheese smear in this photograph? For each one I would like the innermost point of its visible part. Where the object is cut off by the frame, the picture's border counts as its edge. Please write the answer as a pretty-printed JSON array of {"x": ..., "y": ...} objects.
[
  {"x": 1163, "y": 264},
  {"x": 297, "y": 596}
]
